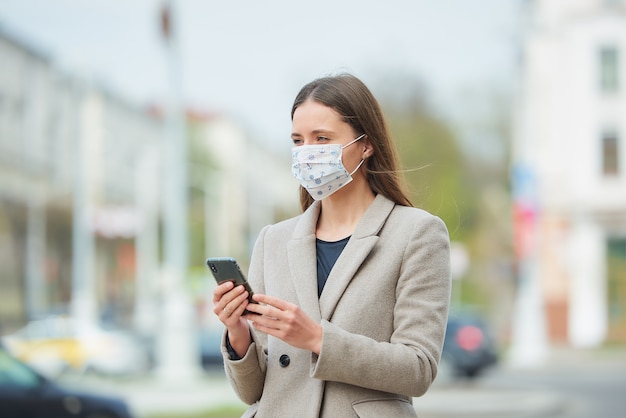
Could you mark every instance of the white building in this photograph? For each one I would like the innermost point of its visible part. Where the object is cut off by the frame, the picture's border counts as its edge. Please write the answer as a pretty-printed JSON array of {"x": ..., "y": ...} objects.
[
  {"x": 82, "y": 195},
  {"x": 570, "y": 162},
  {"x": 249, "y": 187},
  {"x": 71, "y": 155}
]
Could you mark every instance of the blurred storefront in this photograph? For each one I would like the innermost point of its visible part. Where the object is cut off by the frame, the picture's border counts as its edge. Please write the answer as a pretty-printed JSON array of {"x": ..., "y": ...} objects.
[
  {"x": 68, "y": 151},
  {"x": 570, "y": 137},
  {"x": 81, "y": 194}
]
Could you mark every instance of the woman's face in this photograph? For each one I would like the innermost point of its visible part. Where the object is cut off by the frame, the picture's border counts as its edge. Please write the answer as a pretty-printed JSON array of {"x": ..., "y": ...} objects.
[{"x": 314, "y": 123}]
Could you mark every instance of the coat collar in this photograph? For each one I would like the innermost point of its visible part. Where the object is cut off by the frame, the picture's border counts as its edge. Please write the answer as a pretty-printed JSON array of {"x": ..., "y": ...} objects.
[{"x": 303, "y": 261}]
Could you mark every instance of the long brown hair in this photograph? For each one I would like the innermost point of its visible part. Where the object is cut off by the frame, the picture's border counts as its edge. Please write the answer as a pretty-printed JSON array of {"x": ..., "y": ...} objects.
[{"x": 351, "y": 98}]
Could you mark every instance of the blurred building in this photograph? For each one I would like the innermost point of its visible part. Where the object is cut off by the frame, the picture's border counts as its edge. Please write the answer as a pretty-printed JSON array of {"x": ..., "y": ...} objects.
[
  {"x": 70, "y": 157},
  {"x": 570, "y": 167},
  {"x": 81, "y": 193}
]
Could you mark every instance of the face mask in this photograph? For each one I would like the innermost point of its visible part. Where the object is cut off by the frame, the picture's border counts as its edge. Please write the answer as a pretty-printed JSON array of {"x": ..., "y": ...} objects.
[{"x": 319, "y": 169}]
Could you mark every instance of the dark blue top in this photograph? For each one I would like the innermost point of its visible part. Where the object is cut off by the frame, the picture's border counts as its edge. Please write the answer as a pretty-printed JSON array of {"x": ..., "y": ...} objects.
[{"x": 327, "y": 255}]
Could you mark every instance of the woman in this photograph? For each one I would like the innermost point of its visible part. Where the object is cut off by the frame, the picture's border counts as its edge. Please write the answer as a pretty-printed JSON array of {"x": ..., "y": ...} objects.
[{"x": 353, "y": 294}]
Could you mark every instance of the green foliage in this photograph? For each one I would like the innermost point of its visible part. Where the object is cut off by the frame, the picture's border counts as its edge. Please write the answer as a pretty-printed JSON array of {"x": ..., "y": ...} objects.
[
  {"x": 435, "y": 170},
  {"x": 201, "y": 164},
  {"x": 221, "y": 412},
  {"x": 458, "y": 184}
]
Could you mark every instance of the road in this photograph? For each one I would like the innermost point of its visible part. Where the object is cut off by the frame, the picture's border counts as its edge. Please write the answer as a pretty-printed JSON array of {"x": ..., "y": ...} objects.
[{"x": 572, "y": 384}]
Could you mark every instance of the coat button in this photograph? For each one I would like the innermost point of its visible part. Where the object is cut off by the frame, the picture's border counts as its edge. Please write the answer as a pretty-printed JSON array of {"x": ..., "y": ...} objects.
[{"x": 284, "y": 360}]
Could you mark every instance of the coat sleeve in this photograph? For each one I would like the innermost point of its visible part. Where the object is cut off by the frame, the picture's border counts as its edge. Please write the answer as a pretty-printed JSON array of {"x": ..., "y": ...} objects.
[
  {"x": 247, "y": 375},
  {"x": 407, "y": 363}
]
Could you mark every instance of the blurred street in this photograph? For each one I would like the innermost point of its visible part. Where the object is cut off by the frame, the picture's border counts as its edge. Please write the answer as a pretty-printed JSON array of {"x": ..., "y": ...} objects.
[
  {"x": 574, "y": 384},
  {"x": 136, "y": 141}
]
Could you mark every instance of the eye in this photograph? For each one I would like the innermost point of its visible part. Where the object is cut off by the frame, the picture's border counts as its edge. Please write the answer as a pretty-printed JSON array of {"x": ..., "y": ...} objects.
[
  {"x": 322, "y": 138},
  {"x": 297, "y": 141}
]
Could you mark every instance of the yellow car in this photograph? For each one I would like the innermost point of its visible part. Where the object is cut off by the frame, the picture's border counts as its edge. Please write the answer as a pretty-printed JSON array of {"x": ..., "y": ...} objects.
[{"x": 56, "y": 344}]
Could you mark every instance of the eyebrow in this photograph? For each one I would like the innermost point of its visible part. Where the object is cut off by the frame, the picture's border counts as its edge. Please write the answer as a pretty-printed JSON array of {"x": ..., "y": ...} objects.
[{"x": 315, "y": 132}]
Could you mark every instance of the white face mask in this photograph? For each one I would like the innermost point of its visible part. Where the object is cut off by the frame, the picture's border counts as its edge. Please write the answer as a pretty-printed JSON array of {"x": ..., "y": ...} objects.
[{"x": 319, "y": 169}]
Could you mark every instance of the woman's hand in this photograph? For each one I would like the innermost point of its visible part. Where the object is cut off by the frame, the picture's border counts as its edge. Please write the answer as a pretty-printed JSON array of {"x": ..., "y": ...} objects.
[
  {"x": 229, "y": 303},
  {"x": 285, "y": 321}
]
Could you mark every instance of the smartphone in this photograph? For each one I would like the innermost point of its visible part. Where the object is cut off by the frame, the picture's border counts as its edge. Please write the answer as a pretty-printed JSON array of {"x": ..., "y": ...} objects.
[{"x": 226, "y": 269}]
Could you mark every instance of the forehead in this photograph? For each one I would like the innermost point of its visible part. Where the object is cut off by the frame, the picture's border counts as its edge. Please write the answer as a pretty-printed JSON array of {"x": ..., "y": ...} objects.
[{"x": 314, "y": 116}]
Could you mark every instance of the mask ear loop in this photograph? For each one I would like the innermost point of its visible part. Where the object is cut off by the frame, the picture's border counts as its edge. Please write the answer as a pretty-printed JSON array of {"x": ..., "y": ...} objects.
[
  {"x": 352, "y": 142},
  {"x": 357, "y": 167},
  {"x": 362, "y": 160}
]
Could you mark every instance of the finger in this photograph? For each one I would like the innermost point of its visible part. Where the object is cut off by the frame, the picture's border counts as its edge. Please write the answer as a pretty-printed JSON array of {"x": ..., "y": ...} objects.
[
  {"x": 273, "y": 331},
  {"x": 255, "y": 308},
  {"x": 266, "y": 324},
  {"x": 232, "y": 295},
  {"x": 223, "y": 312},
  {"x": 242, "y": 303},
  {"x": 234, "y": 305},
  {"x": 221, "y": 289},
  {"x": 222, "y": 302},
  {"x": 272, "y": 301},
  {"x": 268, "y": 311}
]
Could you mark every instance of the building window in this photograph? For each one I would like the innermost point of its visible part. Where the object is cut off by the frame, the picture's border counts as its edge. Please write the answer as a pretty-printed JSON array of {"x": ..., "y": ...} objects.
[
  {"x": 610, "y": 148},
  {"x": 609, "y": 69}
]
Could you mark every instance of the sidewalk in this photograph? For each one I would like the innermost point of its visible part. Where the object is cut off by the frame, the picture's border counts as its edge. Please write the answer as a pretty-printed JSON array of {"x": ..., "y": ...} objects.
[
  {"x": 504, "y": 391},
  {"x": 493, "y": 403},
  {"x": 150, "y": 395},
  {"x": 450, "y": 397},
  {"x": 447, "y": 398}
]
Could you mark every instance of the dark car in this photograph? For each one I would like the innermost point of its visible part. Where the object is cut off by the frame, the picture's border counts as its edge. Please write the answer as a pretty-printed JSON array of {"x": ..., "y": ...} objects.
[
  {"x": 468, "y": 348},
  {"x": 24, "y": 393},
  {"x": 210, "y": 341}
]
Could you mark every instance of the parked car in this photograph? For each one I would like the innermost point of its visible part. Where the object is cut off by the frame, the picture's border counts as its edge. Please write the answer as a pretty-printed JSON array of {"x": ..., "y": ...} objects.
[
  {"x": 24, "y": 393},
  {"x": 210, "y": 340},
  {"x": 58, "y": 343},
  {"x": 468, "y": 348}
]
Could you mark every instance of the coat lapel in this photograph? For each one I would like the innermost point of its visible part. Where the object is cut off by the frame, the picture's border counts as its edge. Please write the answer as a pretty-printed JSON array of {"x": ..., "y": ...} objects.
[
  {"x": 302, "y": 258},
  {"x": 356, "y": 251}
]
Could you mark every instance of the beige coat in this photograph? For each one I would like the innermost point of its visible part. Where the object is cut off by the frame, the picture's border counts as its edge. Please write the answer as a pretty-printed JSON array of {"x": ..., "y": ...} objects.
[{"x": 383, "y": 311}]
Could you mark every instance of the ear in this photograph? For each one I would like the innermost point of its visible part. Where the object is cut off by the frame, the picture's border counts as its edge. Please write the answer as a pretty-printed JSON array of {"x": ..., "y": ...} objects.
[{"x": 368, "y": 149}]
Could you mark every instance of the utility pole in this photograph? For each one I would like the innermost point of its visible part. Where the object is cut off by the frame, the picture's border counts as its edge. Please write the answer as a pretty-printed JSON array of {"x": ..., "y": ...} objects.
[
  {"x": 89, "y": 108},
  {"x": 178, "y": 349},
  {"x": 529, "y": 339},
  {"x": 35, "y": 253},
  {"x": 147, "y": 182},
  {"x": 529, "y": 343},
  {"x": 36, "y": 200}
]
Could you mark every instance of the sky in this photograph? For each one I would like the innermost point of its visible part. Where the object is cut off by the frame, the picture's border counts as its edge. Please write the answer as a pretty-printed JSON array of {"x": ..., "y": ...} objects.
[{"x": 247, "y": 59}]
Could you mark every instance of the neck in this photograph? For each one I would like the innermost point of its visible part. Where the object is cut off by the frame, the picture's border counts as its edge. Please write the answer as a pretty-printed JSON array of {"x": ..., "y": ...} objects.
[{"x": 342, "y": 211}]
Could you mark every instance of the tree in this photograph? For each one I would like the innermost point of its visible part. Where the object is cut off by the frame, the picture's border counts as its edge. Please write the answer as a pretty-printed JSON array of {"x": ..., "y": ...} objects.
[
  {"x": 432, "y": 160},
  {"x": 455, "y": 180}
]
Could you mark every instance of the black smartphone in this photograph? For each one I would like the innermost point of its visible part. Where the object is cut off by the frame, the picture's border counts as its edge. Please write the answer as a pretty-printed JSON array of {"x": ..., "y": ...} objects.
[{"x": 226, "y": 269}]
